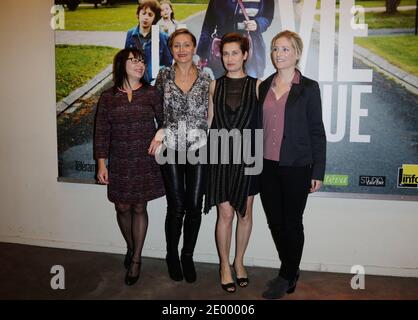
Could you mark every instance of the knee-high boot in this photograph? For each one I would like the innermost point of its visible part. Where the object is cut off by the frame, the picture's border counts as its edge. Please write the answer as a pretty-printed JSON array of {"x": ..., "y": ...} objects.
[
  {"x": 191, "y": 231},
  {"x": 173, "y": 225}
]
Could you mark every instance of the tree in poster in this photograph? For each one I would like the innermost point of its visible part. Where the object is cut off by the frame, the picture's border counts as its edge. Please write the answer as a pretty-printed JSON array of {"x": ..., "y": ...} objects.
[{"x": 392, "y": 6}]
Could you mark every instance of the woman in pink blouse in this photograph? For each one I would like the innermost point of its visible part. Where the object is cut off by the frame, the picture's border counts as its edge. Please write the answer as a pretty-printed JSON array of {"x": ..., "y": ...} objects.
[{"x": 294, "y": 155}]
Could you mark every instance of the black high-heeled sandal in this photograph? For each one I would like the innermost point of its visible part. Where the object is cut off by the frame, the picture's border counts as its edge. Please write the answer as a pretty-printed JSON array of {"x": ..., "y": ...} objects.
[
  {"x": 242, "y": 282},
  {"x": 129, "y": 280},
  {"x": 228, "y": 287},
  {"x": 128, "y": 258}
]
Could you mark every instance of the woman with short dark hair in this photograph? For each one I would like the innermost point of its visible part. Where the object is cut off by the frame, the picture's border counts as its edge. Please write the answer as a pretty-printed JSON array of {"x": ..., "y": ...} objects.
[{"x": 234, "y": 105}]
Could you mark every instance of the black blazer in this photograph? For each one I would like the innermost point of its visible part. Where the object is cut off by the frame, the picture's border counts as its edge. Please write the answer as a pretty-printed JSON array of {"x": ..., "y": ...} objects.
[{"x": 304, "y": 141}]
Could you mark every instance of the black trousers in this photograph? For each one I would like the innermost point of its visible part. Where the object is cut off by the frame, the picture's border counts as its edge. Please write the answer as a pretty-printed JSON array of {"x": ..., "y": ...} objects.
[
  {"x": 184, "y": 184},
  {"x": 284, "y": 191}
]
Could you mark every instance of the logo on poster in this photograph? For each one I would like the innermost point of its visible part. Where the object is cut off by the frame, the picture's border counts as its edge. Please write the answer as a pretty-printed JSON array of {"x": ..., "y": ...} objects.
[
  {"x": 408, "y": 176},
  {"x": 372, "y": 181},
  {"x": 336, "y": 180},
  {"x": 81, "y": 166}
]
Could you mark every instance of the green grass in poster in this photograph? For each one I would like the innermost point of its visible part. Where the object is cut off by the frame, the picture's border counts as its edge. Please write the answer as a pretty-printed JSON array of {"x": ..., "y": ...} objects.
[
  {"x": 401, "y": 51},
  {"x": 75, "y": 65},
  {"x": 380, "y": 20},
  {"x": 118, "y": 18},
  {"x": 374, "y": 4}
]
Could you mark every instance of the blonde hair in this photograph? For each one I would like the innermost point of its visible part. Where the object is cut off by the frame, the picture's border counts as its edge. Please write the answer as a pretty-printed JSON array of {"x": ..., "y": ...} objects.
[
  {"x": 179, "y": 32},
  {"x": 171, "y": 6},
  {"x": 293, "y": 37}
]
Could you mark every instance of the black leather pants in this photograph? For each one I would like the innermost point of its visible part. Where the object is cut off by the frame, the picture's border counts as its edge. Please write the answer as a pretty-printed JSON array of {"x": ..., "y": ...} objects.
[{"x": 184, "y": 184}]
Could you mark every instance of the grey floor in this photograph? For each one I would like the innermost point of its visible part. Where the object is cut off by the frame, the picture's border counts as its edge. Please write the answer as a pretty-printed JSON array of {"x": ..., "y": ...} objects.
[{"x": 25, "y": 274}]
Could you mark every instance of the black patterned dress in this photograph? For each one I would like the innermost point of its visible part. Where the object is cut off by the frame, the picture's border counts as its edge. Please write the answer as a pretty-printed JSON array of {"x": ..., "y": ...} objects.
[
  {"x": 123, "y": 134},
  {"x": 227, "y": 182}
]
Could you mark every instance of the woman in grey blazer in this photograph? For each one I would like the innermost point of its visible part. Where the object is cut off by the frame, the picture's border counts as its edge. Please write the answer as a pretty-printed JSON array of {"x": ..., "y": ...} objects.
[{"x": 294, "y": 155}]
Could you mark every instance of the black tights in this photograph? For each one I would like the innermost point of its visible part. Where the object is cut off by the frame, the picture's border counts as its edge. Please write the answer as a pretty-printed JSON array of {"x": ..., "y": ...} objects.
[{"x": 133, "y": 223}]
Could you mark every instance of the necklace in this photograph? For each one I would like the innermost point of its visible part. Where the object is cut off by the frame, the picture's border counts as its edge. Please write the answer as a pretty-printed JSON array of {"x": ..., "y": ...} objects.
[{"x": 184, "y": 78}]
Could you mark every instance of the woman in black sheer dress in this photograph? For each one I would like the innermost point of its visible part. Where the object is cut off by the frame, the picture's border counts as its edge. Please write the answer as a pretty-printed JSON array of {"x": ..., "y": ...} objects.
[{"x": 233, "y": 106}]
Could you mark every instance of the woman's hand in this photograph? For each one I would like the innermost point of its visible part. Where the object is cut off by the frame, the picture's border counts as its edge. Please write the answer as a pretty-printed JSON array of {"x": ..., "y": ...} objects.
[
  {"x": 315, "y": 185},
  {"x": 102, "y": 173},
  {"x": 250, "y": 25},
  {"x": 154, "y": 146}
]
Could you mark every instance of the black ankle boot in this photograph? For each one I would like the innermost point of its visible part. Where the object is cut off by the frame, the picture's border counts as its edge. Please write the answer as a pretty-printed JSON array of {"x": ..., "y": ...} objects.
[
  {"x": 279, "y": 286},
  {"x": 189, "y": 271},
  {"x": 277, "y": 289},
  {"x": 174, "y": 267}
]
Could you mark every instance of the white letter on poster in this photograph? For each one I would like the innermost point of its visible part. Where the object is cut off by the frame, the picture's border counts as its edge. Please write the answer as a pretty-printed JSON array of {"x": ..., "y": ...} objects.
[
  {"x": 155, "y": 50},
  {"x": 287, "y": 15},
  {"x": 346, "y": 46},
  {"x": 341, "y": 112},
  {"x": 357, "y": 112},
  {"x": 327, "y": 41},
  {"x": 307, "y": 19}
]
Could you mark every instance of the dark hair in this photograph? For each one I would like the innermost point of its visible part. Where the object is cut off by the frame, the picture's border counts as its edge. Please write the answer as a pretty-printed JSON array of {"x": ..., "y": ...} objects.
[
  {"x": 179, "y": 32},
  {"x": 119, "y": 67},
  {"x": 232, "y": 37},
  {"x": 153, "y": 5},
  {"x": 171, "y": 6}
]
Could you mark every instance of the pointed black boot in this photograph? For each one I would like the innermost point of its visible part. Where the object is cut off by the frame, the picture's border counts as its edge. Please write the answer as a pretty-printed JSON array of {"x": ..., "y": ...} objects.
[
  {"x": 173, "y": 225},
  {"x": 189, "y": 271},
  {"x": 174, "y": 267},
  {"x": 192, "y": 223}
]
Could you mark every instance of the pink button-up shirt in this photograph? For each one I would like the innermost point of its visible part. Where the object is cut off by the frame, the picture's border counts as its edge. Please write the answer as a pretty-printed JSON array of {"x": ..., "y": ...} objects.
[{"x": 273, "y": 120}]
